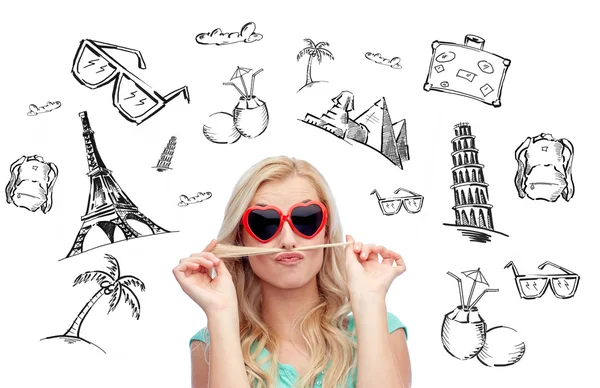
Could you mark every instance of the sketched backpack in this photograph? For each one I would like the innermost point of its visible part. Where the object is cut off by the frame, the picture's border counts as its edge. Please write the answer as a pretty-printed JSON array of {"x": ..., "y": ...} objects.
[
  {"x": 31, "y": 183},
  {"x": 545, "y": 168}
]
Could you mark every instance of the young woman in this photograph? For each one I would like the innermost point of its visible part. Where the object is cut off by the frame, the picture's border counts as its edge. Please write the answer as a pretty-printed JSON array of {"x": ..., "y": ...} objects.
[{"x": 282, "y": 320}]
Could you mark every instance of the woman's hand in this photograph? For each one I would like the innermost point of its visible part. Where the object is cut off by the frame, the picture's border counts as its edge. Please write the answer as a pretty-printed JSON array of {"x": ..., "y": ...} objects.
[
  {"x": 365, "y": 274},
  {"x": 193, "y": 275}
]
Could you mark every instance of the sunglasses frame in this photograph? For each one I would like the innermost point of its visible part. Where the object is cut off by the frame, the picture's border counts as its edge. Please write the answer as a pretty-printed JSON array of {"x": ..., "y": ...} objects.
[
  {"x": 548, "y": 281},
  {"x": 382, "y": 201},
  {"x": 120, "y": 72},
  {"x": 284, "y": 218}
]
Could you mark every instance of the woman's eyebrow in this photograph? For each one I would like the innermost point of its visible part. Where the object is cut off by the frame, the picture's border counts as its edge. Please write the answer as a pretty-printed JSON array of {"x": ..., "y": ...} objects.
[{"x": 264, "y": 204}]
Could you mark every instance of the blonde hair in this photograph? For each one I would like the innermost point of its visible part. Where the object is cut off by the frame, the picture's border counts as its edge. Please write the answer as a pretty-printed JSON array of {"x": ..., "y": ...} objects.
[{"x": 322, "y": 327}]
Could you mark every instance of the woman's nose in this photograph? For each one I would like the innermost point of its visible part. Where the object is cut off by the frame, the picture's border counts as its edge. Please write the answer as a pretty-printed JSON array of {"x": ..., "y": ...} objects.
[{"x": 287, "y": 237}]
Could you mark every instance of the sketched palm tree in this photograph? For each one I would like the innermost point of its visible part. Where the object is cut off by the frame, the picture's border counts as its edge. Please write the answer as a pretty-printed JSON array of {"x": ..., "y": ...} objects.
[
  {"x": 313, "y": 51},
  {"x": 111, "y": 283}
]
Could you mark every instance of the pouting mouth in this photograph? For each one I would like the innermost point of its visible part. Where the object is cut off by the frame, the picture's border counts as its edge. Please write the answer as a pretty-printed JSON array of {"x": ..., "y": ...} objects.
[{"x": 289, "y": 256}]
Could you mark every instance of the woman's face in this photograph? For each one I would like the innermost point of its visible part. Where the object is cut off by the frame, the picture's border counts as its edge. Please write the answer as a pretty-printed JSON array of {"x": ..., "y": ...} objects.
[{"x": 267, "y": 267}]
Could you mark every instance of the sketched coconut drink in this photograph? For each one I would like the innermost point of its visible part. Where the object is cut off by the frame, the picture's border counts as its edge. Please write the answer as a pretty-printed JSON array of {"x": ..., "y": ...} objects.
[
  {"x": 464, "y": 330},
  {"x": 250, "y": 116}
]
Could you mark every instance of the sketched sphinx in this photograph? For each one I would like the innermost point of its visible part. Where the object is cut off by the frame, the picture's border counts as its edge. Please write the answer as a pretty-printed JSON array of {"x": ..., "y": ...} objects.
[
  {"x": 250, "y": 117},
  {"x": 562, "y": 285},
  {"x": 31, "y": 183},
  {"x": 465, "y": 334},
  {"x": 373, "y": 128},
  {"x": 467, "y": 70},
  {"x": 109, "y": 208},
  {"x": 313, "y": 50},
  {"x": 472, "y": 209},
  {"x": 412, "y": 203},
  {"x": 544, "y": 171},
  {"x": 136, "y": 101},
  {"x": 119, "y": 288}
]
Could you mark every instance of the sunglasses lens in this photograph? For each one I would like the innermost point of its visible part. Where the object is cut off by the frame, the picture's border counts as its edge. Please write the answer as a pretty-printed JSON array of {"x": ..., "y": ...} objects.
[
  {"x": 307, "y": 219},
  {"x": 133, "y": 99},
  {"x": 533, "y": 287},
  {"x": 264, "y": 223},
  {"x": 413, "y": 205},
  {"x": 92, "y": 69},
  {"x": 564, "y": 286}
]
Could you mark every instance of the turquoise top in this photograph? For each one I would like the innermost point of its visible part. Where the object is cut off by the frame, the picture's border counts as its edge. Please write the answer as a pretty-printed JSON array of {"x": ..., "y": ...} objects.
[{"x": 287, "y": 373}]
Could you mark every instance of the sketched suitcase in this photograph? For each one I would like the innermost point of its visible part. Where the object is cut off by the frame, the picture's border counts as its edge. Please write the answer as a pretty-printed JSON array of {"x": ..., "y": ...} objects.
[{"x": 467, "y": 70}]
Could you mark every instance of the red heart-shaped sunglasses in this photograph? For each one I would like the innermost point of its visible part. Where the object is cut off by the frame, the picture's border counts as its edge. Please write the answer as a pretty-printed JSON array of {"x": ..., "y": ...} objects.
[{"x": 263, "y": 223}]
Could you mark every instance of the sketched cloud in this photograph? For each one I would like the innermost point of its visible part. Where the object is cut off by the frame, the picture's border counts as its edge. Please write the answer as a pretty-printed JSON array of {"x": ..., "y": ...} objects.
[
  {"x": 394, "y": 63},
  {"x": 246, "y": 35}
]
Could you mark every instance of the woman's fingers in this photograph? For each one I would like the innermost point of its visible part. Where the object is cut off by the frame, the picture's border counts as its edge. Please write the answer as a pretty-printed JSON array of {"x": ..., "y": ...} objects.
[
  {"x": 207, "y": 255},
  {"x": 213, "y": 243}
]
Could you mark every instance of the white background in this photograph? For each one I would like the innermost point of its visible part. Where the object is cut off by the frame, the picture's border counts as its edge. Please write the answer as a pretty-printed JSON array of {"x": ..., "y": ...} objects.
[{"x": 550, "y": 87}]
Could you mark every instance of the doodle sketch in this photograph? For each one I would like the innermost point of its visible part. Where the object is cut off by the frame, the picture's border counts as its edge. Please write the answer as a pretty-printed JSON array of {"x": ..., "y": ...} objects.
[
  {"x": 412, "y": 202},
  {"x": 472, "y": 209},
  {"x": 93, "y": 67},
  {"x": 394, "y": 63},
  {"x": 31, "y": 183},
  {"x": 218, "y": 37},
  {"x": 563, "y": 285},
  {"x": 35, "y": 110},
  {"x": 111, "y": 283},
  {"x": 467, "y": 70},
  {"x": 373, "y": 128},
  {"x": 164, "y": 162},
  {"x": 465, "y": 334},
  {"x": 185, "y": 200},
  {"x": 108, "y": 205},
  {"x": 544, "y": 170},
  {"x": 250, "y": 117},
  {"x": 313, "y": 51}
]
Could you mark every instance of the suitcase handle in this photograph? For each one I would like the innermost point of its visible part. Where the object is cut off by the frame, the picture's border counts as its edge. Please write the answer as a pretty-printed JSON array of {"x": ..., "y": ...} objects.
[{"x": 474, "y": 41}]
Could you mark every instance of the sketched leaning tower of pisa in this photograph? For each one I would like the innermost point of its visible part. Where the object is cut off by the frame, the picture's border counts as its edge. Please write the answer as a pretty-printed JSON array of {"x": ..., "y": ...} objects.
[{"x": 473, "y": 212}]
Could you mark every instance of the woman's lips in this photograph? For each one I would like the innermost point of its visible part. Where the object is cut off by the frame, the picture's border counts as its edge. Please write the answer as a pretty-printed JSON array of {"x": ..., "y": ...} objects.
[{"x": 289, "y": 257}]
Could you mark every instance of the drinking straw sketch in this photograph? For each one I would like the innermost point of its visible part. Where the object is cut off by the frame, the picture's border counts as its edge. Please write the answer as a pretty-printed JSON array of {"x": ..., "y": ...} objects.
[
  {"x": 472, "y": 209},
  {"x": 218, "y": 37},
  {"x": 93, "y": 67},
  {"x": 394, "y": 63},
  {"x": 108, "y": 207},
  {"x": 111, "y": 283},
  {"x": 412, "y": 202},
  {"x": 249, "y": 119},
  {"x": 373, "y": 128},
  {"x": 465, "y": 334},
  {"x": 200, "y": 197},
  {"x": 467, "y": 70},
  {"x": 563, "y": 285},
  {"x": 544, "y": 170},
  {"x": 35, "y": 110},
  {"x": 164, "y": 162},
  {"x": 31, "y": 183},
  {"x": 313, "y": 51}
]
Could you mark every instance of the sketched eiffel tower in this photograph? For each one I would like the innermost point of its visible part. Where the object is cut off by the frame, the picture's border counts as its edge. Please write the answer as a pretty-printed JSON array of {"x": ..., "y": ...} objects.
[{"x": 108, "y": 205}]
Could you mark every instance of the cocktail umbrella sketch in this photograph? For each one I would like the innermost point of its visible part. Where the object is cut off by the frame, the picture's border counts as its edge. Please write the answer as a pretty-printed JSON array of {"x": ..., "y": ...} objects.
[
  {"x": 111, "y": 283},
  {"x": 477, "y": 277}
]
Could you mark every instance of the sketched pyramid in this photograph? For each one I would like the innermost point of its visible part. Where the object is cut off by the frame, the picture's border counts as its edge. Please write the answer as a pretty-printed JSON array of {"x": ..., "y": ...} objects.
[
  {"x": 381, "y": 135},
  {"x": 108, "y": 205}
]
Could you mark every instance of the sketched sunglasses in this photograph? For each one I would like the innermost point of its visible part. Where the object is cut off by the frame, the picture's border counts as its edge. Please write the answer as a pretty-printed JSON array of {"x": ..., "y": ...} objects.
[
  {"x": 135, "y": 100},
  {"x": 263, "y": 223},
  {"x": 563, "y": 286},
  {"x": 390, "y": 206}
]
